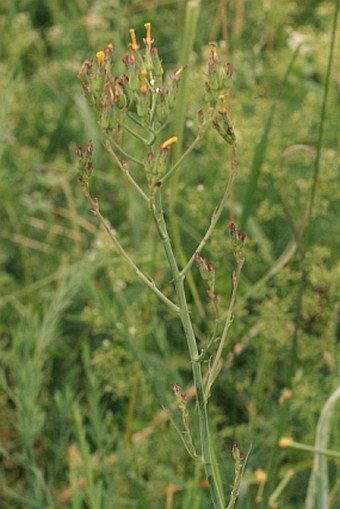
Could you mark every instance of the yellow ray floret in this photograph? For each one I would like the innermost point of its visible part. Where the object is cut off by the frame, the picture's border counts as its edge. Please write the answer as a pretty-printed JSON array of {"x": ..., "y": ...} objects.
[
  {"x": 169, "y": 142},
  {"x": 100, "y": 58}
]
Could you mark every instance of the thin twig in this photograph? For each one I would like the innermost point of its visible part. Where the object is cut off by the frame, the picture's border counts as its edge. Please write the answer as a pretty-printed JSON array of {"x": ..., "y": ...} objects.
[
  {"x": 123, "y": 152},
  {"x": 216, "y": 365},
  {"x": 181, "y": 159},
  {"x": 124, "y": 169},
  {"x": 216, "y": 215},
  {"x": 121, "y": 251}
]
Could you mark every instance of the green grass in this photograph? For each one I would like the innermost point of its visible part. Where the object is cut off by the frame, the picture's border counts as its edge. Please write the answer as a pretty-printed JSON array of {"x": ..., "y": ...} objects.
[{"x": 88, "y": 355}]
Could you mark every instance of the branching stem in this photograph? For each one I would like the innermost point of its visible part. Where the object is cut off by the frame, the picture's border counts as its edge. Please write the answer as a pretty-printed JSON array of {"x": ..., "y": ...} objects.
[
  {"x": 206, "y": 446},
  {"x": 216, "y": 214},
  {"x": 125, "y": 170},
  {"x": 121, "y": 251},
  {"x": 216, "y": 364}
]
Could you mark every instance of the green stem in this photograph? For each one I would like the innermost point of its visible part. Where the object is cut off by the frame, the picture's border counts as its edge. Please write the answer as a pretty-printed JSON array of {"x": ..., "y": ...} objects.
[
  {"x": 215, "y": 368},
  {"x": 123, "y": 152},
  {"x": 143, "y": 125},
  {"x": 136, "y": 135},
  {"x": 206, "y": 446},
  {"x": 217, "y": 213},
  {"x": 181, "y": 159},
  {"x": 126, "y": 171},
  {"x": 314, "y": 450}
]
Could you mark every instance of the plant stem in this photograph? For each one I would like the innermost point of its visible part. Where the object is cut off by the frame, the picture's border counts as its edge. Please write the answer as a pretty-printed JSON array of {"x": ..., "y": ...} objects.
[
  {"x": 216, "y": 214},
  {"x": 126, "y": 171},
  {"x": 314, "y": 450},
  {"x": 206, "y": 446},
  {"x": 215, "y": 368},
  {"x": 122, "y": 151},
  {"x": 181, "y": 159}
]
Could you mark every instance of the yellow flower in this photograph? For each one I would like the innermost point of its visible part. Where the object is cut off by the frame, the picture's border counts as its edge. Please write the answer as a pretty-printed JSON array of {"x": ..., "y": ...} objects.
[
  {"x": 169, "y": 142},
  {"x": 181, "y": 69},
  {"x": 261, "y": 476},
  {"x": 134, "y": 44},
  {"x": 148, "y": 39},
  {"x": 285, "y": 442},
  {"x": 100, "y": 58}
]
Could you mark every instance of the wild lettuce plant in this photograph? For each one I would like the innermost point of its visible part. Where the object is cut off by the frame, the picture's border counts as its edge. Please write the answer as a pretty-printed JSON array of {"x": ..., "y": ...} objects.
[{"x": 133, "y": 100}]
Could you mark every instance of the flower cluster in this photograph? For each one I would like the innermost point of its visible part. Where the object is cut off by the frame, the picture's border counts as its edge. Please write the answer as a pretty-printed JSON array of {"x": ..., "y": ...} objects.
[
  {"x": 216, "y": 88},
  {"x": 140, "y": 91},
  {"x": 219, "y": 74},
  {"x": 238, "y": 238},
  {"x": 223, "y": 124}
]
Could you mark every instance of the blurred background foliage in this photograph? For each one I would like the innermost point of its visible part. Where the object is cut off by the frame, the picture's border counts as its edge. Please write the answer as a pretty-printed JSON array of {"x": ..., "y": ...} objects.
[{"x": 88, "y": 356}]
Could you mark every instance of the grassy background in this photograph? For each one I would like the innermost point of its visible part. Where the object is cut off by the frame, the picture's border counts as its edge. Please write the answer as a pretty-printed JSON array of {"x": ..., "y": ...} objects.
[{"x": 87, "y": 355}]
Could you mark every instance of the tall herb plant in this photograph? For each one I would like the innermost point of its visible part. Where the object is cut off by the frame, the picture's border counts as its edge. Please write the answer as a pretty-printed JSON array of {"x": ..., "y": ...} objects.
[{"x": 133, "y": 106}]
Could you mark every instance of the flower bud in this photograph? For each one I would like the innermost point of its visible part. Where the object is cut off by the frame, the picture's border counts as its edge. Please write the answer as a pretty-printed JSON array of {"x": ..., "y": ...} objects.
[
  {"x": 132, "y": 71},
  {"x": 157, "y": 64},
  {"x": 100, "y": 58},
  {"x": 142, "y": 104},
  {"x": 134, "y": 46},
  {"x": 207, "y": 272},
  {"x": 162, "y": 107},
  {"x": 237, "y": 237},
  {"x": 84, "y": 162}
]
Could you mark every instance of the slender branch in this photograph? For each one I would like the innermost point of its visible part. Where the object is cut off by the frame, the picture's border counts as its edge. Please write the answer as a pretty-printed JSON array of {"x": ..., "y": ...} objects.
[
  {"x": 240, "y": 464},
  {"x": 124, "y": 153},
  {"x": 216, "y": 214},
  {"x": 181, "y": 159},
  {"x": 205, "y": 351},
  {"x": 136, "y": 135},
  {"x": 216, "y": 365},
  {"x": 121, "y": 251},
  {"x": 136, "y": 120},
  {"x": 312, "y": 449},
  {"x": 124, "y": 169}
]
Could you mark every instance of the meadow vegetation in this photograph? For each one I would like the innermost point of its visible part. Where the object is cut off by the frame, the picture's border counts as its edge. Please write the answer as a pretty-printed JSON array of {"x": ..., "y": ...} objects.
[{"x": 98, "y": 406}]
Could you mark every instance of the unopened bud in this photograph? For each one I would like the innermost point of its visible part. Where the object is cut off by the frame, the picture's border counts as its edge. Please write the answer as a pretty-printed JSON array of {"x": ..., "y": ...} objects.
[
  {"x": 176, "y": 388},
  {"x": 148, "y": 39},
  {"x": 100, "y": 58},
  {"x": 134, "y": 44}
]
